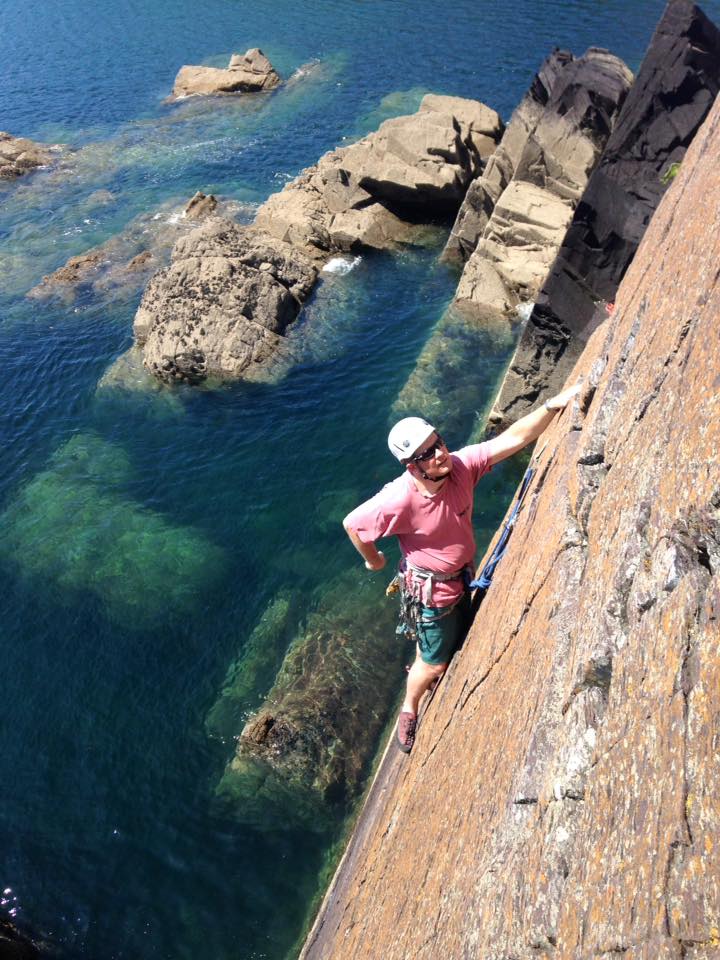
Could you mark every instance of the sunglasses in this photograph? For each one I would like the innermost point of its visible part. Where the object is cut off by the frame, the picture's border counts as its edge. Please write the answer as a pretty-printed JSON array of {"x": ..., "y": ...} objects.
[{"x": 429, "y": 453}]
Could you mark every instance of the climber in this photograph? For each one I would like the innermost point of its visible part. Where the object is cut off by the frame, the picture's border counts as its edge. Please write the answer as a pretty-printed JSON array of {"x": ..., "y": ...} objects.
[{"x": 429, "y": 509}]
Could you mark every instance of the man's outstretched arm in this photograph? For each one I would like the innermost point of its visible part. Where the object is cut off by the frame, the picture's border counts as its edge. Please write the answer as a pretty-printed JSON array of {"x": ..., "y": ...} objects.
[{"x": 529, "y": 427}]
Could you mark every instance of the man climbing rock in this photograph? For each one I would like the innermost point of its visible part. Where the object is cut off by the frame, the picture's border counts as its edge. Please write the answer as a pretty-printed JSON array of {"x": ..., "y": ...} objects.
[{"x": 429, "y": 509}]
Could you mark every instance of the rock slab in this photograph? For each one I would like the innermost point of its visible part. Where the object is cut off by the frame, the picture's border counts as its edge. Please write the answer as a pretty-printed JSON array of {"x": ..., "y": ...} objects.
[
  {"x": 675, "y": 88},
  {"x": 561, "y": 799}
]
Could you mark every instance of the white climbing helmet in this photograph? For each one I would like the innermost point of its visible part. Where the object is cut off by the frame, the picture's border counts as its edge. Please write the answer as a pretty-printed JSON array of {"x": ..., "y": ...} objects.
[{"x": 407, "y": 435}]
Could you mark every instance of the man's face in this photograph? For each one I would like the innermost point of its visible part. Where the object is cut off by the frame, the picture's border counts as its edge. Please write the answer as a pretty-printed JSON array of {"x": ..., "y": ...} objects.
[{"x": 432, "y": 458}]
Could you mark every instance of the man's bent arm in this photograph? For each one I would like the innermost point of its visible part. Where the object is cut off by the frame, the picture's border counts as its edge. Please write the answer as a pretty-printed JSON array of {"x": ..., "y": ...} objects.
[
  {"x": 528, "y": 428},
  {"x": 374, "y": 558}
]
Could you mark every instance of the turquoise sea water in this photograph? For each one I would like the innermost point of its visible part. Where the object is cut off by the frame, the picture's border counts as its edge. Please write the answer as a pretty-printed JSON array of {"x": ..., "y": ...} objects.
[{"x": 142, "y": 535}]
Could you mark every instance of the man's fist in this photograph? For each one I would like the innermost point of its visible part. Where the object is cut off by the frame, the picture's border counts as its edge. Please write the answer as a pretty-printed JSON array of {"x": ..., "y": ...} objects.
[{"x": 378, "y": 563}]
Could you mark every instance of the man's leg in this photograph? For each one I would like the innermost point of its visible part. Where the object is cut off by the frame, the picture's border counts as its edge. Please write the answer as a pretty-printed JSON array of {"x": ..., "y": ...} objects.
[
  {"x": 420, "y": 677},
  {"x": 438, "y": 638}
]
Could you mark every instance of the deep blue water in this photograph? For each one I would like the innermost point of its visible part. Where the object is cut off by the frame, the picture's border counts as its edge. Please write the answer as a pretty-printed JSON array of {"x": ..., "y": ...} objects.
[{"x": 142, "y": 535}]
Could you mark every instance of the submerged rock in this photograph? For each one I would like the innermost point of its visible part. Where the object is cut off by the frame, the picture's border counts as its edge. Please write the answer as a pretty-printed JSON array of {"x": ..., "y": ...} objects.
[
  {"x": 19, "y": 155},
  {"x": 250, "y": 677},
  {"x": 122, "y": 264},
  {"x": 74, "y": 528},
  {"x": 414, "y": 168},
  {"x": 222, "y": 305},
  {"x": 250, "y": 72},
  {"x": 675, "y": 88},
  {"x": 305, "y": 753}
]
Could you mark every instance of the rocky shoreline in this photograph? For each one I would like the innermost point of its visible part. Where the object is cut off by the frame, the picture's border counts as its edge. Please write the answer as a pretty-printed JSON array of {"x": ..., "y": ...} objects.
[
  {"x": 20, "y": 156},
  {"x": 569, "y": 757}
]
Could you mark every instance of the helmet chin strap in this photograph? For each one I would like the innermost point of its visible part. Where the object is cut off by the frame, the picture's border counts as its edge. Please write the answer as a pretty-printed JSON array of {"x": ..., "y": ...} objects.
[{"x": 426, "y": 477}]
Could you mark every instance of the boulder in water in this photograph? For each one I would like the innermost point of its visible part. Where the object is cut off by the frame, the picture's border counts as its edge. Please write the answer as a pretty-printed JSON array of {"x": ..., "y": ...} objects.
[
  {"x": 413, "y": 169},
  {"x": 222, "y": 305},
  {"x": 19, "y": 156},
  {"x": 250, "y": 72}
]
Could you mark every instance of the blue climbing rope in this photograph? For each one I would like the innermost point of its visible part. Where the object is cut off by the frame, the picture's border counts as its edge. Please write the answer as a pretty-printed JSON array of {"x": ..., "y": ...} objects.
[{"x": 485, "y": 579}]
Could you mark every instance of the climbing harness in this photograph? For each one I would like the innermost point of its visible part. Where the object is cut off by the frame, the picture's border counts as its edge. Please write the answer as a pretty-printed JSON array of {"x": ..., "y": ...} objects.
[
  {"x": 482, "y": 584},
  {"x": 415, "y": 585}
]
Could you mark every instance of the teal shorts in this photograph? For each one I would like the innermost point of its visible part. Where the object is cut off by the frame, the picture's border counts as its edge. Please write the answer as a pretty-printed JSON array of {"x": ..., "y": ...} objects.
[{"x": 439, "y": 633}]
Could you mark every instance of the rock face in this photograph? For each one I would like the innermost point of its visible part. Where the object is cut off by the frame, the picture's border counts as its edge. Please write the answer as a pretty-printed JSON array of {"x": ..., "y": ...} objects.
[
  {"x": 512, "y": 224},
  {"x": 222, "y": 305},
  {"x": 19, "y": 155},
  {"x": 413, "y": 168},
  {"x": 250, "y": 72},
  {"x": 676, "y": 86},
  {"x": 561, "y": 800}
]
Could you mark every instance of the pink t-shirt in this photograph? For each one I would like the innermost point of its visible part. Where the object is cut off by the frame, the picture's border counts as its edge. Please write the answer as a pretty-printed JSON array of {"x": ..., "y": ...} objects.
[{"x": 435, "y": 531}]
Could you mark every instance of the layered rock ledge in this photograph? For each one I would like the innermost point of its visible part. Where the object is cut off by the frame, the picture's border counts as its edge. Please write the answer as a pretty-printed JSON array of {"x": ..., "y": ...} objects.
[
  {"x": 514, "y": 220},
  {"x": 673, "y": 93},
  {"x": 250, "y": 72},
  {"x": 411, "y": 170},
  {"x": 19, "y": 156},
  {"x": 561, "y": 800}
]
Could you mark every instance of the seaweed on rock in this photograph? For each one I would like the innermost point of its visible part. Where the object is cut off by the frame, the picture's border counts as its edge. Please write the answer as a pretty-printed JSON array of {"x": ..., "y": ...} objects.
[{"x": 304, "y": 755}]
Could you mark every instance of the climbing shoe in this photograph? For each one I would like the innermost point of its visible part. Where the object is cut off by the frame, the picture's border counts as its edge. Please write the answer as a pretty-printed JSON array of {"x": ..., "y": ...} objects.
[{"x": 406, "y": 731}]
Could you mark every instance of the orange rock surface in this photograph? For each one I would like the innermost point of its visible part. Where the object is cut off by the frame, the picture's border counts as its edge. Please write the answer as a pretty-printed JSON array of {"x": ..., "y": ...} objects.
[{"x": 562, "y": 799}]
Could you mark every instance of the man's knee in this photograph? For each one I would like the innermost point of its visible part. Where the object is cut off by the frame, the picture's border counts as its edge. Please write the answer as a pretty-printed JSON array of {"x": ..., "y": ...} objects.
[{"x": 436, "y": 669}]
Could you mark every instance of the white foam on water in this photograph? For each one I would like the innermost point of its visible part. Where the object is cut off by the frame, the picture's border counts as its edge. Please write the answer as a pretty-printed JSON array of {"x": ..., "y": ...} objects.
[
  {"x": 341, "y": 265},
  {"x": 175, "y": 218},
  {"x": 523, "y": 310}
]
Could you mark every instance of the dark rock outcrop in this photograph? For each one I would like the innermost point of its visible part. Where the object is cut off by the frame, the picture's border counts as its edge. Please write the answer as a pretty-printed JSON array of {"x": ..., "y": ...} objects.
[
  {"x": 250, "y": 72},
  {"x": 413, "y": 168},
  {"x": 531, "y": 191},
  {"x": 674, "y": 90},
  {"x": 15, "y": 946},
  {"x": 516, "y": 213},
  {"x": 222, "y": 305},
  {"x": 561, "y": 800},
  {"x": 19, "y": 156}
]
